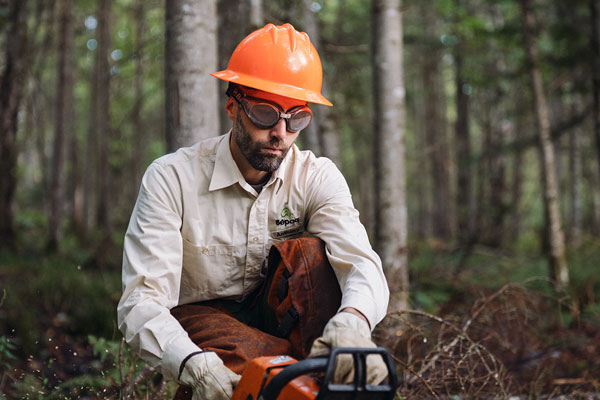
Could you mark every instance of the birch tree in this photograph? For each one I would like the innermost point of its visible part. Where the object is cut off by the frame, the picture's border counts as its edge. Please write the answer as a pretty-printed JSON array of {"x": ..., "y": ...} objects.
[
  {"x": 390, "y": 186},
  {"x": 310, "y": 135},
  {"x": 555, "y": 235},
  {"x": 256, "y": 14},
  {"x": 190, "y": 56}
]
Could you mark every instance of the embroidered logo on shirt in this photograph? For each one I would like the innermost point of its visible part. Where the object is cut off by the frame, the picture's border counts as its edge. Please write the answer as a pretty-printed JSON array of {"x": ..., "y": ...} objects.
[
  {"x": 287, "y": 217},
  {"x": 286, "y": 213}
]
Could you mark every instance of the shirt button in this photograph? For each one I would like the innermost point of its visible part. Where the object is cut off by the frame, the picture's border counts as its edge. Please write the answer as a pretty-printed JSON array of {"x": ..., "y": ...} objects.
[
  {"x": 204, "y": 250},
  {"x": 255, "y": 239}
]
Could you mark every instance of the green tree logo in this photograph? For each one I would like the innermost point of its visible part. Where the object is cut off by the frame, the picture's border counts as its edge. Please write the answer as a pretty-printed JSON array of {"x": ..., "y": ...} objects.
[{"x": 286, "y": 213}]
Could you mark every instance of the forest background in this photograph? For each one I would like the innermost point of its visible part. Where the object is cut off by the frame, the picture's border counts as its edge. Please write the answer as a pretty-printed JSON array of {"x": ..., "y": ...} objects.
[{"x": 468, "y": 131}]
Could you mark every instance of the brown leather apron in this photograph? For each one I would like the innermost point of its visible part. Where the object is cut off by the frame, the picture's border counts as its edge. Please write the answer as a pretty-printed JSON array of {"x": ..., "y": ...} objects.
[{"x": 284, "y": 316}]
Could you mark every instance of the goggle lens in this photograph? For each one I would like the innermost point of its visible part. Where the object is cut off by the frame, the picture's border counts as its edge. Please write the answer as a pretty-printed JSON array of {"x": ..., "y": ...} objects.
[
  {"x": 266, "y": 115},
  {"x": 262, "y": 115},
  {"x": 299, "y": 121}
]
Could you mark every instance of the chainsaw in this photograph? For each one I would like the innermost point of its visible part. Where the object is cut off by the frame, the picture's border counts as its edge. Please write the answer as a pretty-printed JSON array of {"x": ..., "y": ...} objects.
[{"x": 285, "y": 378}]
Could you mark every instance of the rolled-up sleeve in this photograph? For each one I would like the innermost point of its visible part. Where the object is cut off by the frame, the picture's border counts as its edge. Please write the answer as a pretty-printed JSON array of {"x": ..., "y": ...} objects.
[
  {"x": 333, "y": 218},
  {"x": 152, "y": 263}
]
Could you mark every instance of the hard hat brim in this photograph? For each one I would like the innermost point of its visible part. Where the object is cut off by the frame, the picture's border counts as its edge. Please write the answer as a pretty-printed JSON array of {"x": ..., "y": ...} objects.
[{"x": 272, "y": 87}]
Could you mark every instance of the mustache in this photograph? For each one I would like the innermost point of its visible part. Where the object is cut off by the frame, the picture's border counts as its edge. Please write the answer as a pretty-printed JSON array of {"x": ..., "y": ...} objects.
[{"x": 273, "y": 143}]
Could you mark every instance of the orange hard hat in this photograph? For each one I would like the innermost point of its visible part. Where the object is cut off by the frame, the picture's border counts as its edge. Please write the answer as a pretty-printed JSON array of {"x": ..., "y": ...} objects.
[{"x": 280, "y": 60}]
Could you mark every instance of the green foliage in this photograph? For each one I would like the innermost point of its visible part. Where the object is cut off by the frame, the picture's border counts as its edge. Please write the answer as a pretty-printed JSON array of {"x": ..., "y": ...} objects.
[
  {"x": 583, "y": 273},
  {"x": 104, "y": 348},
  {"x": 7, "y": 352},
  {"x": 56, "y": 291},
  {"x": 591, "y": 313},
  {"x": 438, "y": 275},
  {"x": 120, "y": 365},
  {"x": 116, "y": 372},
  {"x": 29, "y": 387}
]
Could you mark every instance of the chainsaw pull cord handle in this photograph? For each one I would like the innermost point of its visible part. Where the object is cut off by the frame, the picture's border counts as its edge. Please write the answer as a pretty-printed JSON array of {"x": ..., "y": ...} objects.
[{"x": 357, "y": 390}]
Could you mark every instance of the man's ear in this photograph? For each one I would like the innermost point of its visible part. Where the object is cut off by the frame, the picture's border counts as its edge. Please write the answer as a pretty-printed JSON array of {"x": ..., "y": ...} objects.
[{"x": 230, "y": 108}]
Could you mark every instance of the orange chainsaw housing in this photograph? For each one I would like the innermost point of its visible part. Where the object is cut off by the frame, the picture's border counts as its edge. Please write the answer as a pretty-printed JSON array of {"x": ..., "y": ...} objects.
[{"x": 262, "y": 369}]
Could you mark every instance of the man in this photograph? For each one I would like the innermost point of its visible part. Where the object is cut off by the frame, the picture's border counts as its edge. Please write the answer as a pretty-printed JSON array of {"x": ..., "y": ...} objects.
[{"x": 239, "y": 245}]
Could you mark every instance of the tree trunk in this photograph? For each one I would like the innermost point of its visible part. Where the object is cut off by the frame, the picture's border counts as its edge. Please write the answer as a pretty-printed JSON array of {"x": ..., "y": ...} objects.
[
  {"x": 190, "y": 55},
  {"x": 390, "y": 186},
  {"x": 465, "y": 207},
  {"x": 595, "y": 185},
  {"x": 64, "y": 118},
  {"x": 103, "y": 118},
  {"x": 91, "y": 154},
  {"x": 496, "y": 176},
  {"x": 595, "y": 15},
  {"x": 310, "y": 135},
  {"x": 557, "y": 258},
  {"x": 421, "y": 224},
  {"x": 595, "y": 44},
  {"x": 232, "y": 28},
  {"x": 76, "y": 179},
  {"x": 36, "y": 104},
  {"x": 330, "y": 136},
  {"x": 321, "y": 135},
  {"x": 256, "y": 14},
  {"x": 575, "y": 177},
  {"x": 435, "y": 133},
  {"x": 140, "y": 133},
  {"x": 12, "y": 83},
  {"x": 516, "y": 188}
]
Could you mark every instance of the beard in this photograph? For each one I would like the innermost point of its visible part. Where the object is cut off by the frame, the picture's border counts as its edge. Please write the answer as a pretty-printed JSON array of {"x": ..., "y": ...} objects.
[{"x": 252, "y": 149}]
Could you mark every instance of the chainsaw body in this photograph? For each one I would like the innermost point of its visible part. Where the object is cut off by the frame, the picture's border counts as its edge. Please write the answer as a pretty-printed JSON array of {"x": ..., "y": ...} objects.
[{"x": 285, "y": 378}]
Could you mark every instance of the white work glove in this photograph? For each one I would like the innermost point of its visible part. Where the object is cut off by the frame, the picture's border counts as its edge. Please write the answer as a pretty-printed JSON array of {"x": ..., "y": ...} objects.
[
  {"x": 208, "y": 377},
  {"x": 349, "y": 330}
]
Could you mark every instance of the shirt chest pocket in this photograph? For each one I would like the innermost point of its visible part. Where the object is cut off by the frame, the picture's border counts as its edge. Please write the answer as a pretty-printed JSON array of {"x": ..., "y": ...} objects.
[{"x": 208, "y": 271}]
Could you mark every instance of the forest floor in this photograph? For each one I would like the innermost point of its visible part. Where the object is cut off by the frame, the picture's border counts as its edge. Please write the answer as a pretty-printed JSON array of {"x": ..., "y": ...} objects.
[{"x": 484, "y": 328}]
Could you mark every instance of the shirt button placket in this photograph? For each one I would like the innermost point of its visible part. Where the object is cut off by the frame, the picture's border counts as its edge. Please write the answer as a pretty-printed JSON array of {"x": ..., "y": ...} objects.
[{"x": 254, "y": 243}]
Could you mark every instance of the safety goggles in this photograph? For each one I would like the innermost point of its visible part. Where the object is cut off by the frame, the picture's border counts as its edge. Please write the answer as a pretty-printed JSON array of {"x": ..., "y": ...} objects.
[{"x": 265, "y": 114}]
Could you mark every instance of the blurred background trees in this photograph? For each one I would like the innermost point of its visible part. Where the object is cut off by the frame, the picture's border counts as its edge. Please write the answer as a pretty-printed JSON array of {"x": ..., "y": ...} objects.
[
  {"x": 94, "y": 90},
  {"x": 463, "y": 127}
]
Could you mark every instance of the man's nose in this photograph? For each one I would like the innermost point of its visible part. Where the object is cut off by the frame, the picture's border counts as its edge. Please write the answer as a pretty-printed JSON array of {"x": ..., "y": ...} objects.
[{"x": 279, "y": 130}]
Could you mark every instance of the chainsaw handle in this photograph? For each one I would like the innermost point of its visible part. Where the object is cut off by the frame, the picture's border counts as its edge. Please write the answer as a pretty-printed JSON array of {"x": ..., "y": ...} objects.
[
  {"x": 359, "y": 389},
  {"x": 290, "y": 372}
]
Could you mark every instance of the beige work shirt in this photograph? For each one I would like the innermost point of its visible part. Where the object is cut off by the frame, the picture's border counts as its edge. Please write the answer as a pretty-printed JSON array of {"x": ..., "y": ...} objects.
[{"x": 199, "y": 231}]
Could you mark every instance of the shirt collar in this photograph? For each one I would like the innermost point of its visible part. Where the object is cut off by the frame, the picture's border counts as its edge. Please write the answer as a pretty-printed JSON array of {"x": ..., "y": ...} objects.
[{"x": 227, "y": 173}]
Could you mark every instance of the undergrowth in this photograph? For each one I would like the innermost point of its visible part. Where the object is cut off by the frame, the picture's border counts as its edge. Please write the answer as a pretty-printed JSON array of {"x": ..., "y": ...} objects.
[{"x": 488, "y": 324}]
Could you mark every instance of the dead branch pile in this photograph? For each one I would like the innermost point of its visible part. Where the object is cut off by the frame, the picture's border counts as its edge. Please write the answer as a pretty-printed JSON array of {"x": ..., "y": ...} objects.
[{"x": 511, "y": 342}]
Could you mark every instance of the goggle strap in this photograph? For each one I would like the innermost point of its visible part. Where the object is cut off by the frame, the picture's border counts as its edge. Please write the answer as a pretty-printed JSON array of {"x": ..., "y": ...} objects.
[{"x": 235, "y": 92}]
